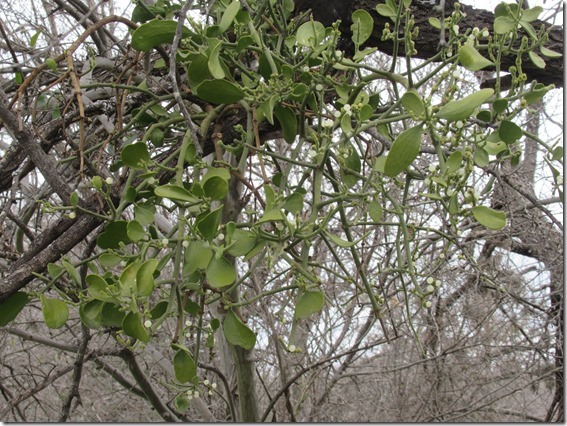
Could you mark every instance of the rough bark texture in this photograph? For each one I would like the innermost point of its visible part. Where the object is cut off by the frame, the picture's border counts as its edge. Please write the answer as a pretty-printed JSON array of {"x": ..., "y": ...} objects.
[{"x": 428, "y": 40}]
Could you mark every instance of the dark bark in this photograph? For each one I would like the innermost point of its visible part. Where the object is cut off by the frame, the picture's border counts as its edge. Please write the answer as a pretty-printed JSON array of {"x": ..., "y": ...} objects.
[{"x": 428, "y": 40}]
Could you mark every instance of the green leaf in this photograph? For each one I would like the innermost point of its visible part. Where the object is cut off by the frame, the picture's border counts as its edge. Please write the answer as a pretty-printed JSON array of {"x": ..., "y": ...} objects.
[
  {"x": 288, "y": 122},
  {"x": 294, "y": 203},
  {"x": 175, "y": 193},
  {"x": 484, "y": 115},
  {"x": 404, "y": 150},
  {"x": 352, "y": 164},
  {"x": 145, "y": 277},
  {"x": 54, "y": 270},
  {"x": 112, "y": 316},
  {"x": 208, "y": 223},
  {"x": 229, "y": 15},
  {"x": 108, "y": 260},
  {"x": 55, "y": 312},
  {"x": 463, "y": 108},
  {"x": 214, "y": 63},
  {"x": 181, "y": 403},
  {"x": 509, "y": 131},
  {"x": 362, "y": 26},
  {"x": 339, "y": 241},
  {"x": 219, "y": 92},
  {"x": 310, "y": 34},
  {"x": 198, "y": 71},
  {"x": 114, "y": 233},
  {"x": 536, "y": 59},
  {"x": 220, "y": 273},
  {"x": 184, "y": 366},
  {"x": 537, "y": 92},
  {"x": 144, "y": 213},
  {"x": 216, "y": 188},
  {"x": 375, "y": 210},
  {"x": 454, "y": 161},
  {"x": 557, "y": 153},
  {"x": 529, "y": 29},
  {"x": 135, "y": 156},
  {"x": 72, "y": 271},
  {"x": 91, "y": 314},
  {"x": 74, "y": 199},
  {"x": 242, "y": 242},
  {"x": 385, "y": 10},
  {"x": 97, "y": 287},
  {"x": 159, "y": 310},
  {"x": 12, "y": 306},
  {"x": 500, "y": 105},
  {"x": 50, "y": 62},
  {"x": 128, "y": 279},
  {"x": 490, "y": 218},
  {"x": 530, "y": 15},
  {"x": 549, "y": 53},
  {"x": 192, "y": 308},
  {"x": 435, "y": 23},
  {"x": 135, "y": 231},
  {"x": 412, "y": 103},
  {"x": 197, "y": 256},
  {"x": 471, "y": 59},
  {"x": 309, "y": 303},
  {"x": 33, "y": 39},
  {"x": 504, "y": 24},
  {"x": 481, "y": 158},
  {"x": 154, "y": 33},
  {"x": 237, "y": 333},
  {"x": 273, "y": 215},
  {"x": 133, "y": 327}
]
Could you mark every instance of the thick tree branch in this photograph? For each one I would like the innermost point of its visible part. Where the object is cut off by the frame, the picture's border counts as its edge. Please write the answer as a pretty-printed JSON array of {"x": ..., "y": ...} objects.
[{"x": 428, "y": 39}]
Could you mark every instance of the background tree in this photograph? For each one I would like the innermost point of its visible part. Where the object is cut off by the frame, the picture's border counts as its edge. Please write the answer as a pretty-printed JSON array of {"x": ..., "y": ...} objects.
[{"x": 252, "y": 210}]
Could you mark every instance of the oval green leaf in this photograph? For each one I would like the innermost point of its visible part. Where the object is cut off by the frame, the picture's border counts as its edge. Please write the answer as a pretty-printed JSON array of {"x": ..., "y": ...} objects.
[
  {"x": 386, "y": 10},
  {"x": 536, "y": 60},
  {"x": 463, "y": 108},
  {"x": 361, "y": 27},
  {"x": 504, "y": 24},
  {"x": 197, "y": 256},
  {"x": 412, "y": 103},
  {"x": 404, "y": 150},
  {"x": 145, "y": 277},
  {"x": 309, "y": 303},
  {"x": 237, "y": 333},
  {"x": 310, "y": 34},
  {"x": 216, "y": 188},
  {"x": 220, "y": 92},
  {"x": 471, "y": 59},
  {"x": 114, "y": 233},
  {"x": 55, "y": 312},
  {"x": 375, "y": 211},
  {"x": 509, "y": 131},
  {"x": 184, "y": 366},
  {"x": 154, "y": 33},
  {"x": 135, "y": 156},
  {"x": 135, "y": 231},
  {"x": 11, "y": 307},
  {"x": 91, "y": 314},
  {"x": 208, "y": 223},
  {"x": 220, "y": 273},
  {"x": 175, "y": 193},
  {"x": 490, "y": 218},
  {"x": 242, "y": 242},
  {"x": 288, "y": 122},
  {"x": 133, "y": 327},
  {"x": 229, "y": 15}
]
